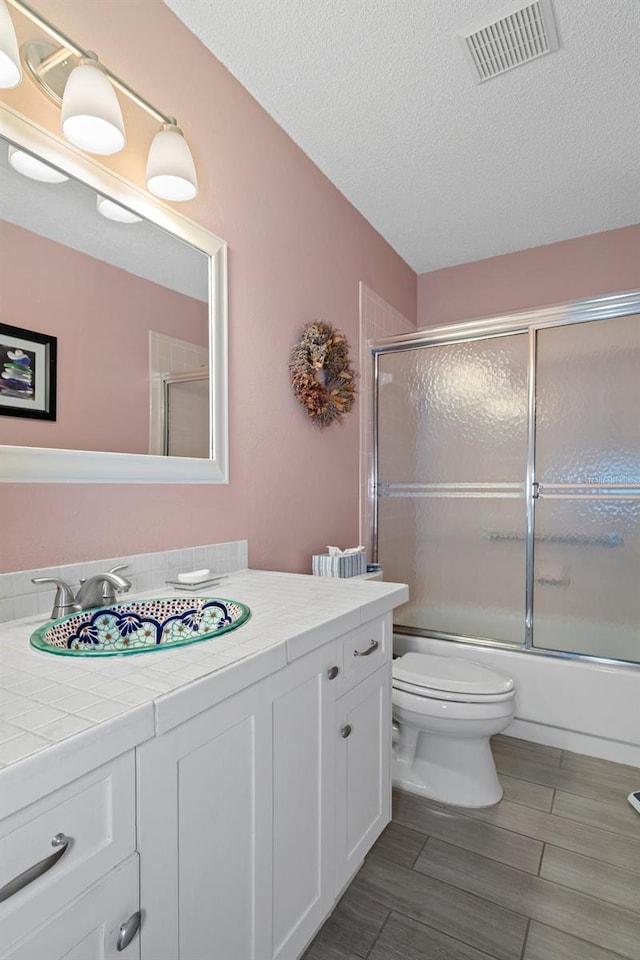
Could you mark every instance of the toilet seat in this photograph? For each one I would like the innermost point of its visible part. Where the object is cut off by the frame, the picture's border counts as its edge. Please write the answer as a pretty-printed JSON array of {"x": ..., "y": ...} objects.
[{"x": 449, "y": 678}]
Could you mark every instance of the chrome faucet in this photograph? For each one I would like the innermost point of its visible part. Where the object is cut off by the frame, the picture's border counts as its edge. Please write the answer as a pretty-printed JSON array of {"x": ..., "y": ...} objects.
[
  {"x": 95, "y": 592},
  {"x": 101, "y": 589}
]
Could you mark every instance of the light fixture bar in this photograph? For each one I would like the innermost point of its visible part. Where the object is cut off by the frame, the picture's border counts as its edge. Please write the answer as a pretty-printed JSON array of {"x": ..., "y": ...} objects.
[{"x": 69, "y": 44}]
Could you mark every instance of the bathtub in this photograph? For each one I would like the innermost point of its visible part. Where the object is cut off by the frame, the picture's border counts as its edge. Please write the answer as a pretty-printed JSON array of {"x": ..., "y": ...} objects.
[{"x": 587, "y": 707}]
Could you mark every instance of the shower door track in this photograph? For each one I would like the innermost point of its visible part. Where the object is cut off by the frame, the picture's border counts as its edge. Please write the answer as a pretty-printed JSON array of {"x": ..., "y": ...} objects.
[{"x": 529, "y": 322}]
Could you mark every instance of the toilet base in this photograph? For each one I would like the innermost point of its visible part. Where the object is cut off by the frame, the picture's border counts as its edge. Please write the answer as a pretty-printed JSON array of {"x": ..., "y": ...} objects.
[{"x": 448, "y": 770}]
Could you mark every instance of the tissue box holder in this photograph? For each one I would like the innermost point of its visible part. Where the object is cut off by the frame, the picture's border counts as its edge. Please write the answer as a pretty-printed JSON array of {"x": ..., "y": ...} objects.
[{"x": 348, "y": 565}]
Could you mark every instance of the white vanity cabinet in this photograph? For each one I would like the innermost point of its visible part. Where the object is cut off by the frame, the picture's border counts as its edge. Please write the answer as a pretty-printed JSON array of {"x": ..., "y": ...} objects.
[
  {"x": 69, "y": 870},
  {"x": 363, "y": 764},
  {"x": 304, "y": 742},
  {"x": 363, "y": 757},
  {"x": 235, "y": 812},
  {"x": 253, "y": 815},
  {"x": 204, "y": 833}
]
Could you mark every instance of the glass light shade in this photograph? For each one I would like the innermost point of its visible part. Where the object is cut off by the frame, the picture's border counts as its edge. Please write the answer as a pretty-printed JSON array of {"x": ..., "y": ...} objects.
[
  {"x": 91, "y": 115},
  {"x": 34, "y": 168},
  {"x": 171, "y": 173},
  {"x": 10, "y": 69},
  {"x": 113, "y": 211}
]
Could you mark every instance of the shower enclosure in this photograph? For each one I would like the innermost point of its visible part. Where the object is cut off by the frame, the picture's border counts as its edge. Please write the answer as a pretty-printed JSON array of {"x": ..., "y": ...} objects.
[
  {"x": 507, "y": 479},
  {"x": 185, "y": 413}
]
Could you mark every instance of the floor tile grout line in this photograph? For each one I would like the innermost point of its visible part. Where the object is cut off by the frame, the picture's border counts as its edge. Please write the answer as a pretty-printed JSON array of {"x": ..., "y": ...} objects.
[
  {"x": 420, "y": 851},
  {"x": 599, "y": 778},
  {"x": 379, "y": 933},
  {"x": 573, "y": 793},
  {"x": 486, "y": 855},
  {"x": 518, "y": 913},
  {"x": 476, "y": 896},
  {"x": 614, "y": 833},
  {"x": 526, "y": 937},
  {"x": 611, "y": 903},
  {"x": 460, "y": 812},
  {"x": 429, "y": 926}
]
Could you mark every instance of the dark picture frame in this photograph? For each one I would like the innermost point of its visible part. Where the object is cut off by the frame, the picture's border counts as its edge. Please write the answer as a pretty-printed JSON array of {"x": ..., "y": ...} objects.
[{"x": 28, "y": 373}]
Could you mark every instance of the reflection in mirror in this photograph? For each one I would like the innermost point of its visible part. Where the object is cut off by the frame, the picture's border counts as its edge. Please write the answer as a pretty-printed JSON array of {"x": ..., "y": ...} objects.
[{"x": 128, "y": 304}]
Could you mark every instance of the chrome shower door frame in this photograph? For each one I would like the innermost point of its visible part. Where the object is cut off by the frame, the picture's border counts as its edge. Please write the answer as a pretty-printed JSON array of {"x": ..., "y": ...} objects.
[{"x": 529, "y": 322}]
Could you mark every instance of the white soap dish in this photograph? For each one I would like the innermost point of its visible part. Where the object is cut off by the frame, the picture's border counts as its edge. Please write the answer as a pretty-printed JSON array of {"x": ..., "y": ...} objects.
[
  {"x": 198, "y": 585},
  {"x": 195, "y": 576}
]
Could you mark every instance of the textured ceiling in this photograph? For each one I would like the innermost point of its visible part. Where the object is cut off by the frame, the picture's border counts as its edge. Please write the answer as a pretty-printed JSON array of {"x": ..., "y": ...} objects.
[{"x": 378, "y": 94}]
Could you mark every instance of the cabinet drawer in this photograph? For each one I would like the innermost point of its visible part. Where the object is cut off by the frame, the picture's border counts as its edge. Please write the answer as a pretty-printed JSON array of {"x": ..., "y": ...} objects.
[
  {"x": 95, "y": 813},
  {"x": 362, "y": 651},
  {"x": 88, "y": 928}
]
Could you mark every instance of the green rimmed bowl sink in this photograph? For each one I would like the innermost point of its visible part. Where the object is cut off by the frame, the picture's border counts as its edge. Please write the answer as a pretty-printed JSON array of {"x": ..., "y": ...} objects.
[{"x": 140, "y": 626}]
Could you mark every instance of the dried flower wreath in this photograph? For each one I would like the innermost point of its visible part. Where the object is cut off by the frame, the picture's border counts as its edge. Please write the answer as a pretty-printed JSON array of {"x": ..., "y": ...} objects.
[{"x": 321, "y": 374}]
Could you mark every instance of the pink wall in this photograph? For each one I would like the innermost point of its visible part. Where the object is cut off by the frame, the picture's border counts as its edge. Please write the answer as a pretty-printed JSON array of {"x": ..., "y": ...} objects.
[
  {"x": 101, "y": 316},
  {"x": 593, "y": 266},
  {"x": 297, "y": 251}
]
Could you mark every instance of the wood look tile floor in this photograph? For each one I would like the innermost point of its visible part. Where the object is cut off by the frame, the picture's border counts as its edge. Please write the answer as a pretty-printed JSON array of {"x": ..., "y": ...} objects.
[{"x": 552, "y": 872}]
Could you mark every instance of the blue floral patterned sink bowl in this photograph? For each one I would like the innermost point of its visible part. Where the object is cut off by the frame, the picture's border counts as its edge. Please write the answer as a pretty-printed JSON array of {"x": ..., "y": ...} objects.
[{"x": 140, "y": 626}]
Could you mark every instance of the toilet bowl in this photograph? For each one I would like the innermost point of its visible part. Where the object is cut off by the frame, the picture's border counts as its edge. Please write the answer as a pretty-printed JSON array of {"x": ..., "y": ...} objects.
[{"x": 445, "y": 710}]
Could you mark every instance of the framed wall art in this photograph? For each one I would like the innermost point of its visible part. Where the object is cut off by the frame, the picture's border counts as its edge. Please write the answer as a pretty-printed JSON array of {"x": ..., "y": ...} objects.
[{"x": 27, "y": 373}]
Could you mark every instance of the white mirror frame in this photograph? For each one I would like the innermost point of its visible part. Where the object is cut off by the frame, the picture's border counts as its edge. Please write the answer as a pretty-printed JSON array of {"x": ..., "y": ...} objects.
[{"x": 44, "y": 465}]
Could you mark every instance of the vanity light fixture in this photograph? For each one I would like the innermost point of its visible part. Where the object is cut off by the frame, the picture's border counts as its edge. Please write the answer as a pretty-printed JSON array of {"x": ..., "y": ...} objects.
[
  {"x": 91, "y": 117},
  {"x": 114, "y": 211},
  {"x": 171, "y": 173},
  {"x": 10, "y": 69},
  {"x": 34, "y": 168},
  {"x": 91, "y": 114}
]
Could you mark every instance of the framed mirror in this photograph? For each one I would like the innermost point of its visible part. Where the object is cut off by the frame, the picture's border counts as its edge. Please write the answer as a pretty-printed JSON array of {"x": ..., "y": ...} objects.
[{"x": 134, "y": 297}]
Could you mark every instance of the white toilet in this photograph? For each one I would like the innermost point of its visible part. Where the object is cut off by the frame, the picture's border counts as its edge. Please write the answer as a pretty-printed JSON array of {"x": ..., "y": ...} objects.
[{"x": 445, "y": 710}]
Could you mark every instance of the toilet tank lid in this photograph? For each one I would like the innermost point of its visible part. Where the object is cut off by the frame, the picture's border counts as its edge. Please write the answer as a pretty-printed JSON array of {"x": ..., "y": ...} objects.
[{"x": 450, "y": 674}]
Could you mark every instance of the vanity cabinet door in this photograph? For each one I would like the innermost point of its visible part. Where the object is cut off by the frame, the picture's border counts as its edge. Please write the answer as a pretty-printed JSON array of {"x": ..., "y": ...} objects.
[
  {"x": 303, "y": 800},
  {"x": 204, "y": 801},
  {"x": 363, "y": 789},
  {"x": 89, "y": 927}
]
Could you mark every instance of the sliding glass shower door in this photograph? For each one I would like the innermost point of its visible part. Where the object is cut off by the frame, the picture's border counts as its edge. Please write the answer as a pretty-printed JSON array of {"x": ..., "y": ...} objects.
[
  {"x": 587, "y": 517},
  {"x": 508, "y": 485},
  {"x": 452, "y": 460}
]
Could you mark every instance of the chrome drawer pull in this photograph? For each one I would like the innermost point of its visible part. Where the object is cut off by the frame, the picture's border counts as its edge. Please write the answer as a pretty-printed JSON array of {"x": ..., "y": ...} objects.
[
  {"x": 38, "y": 869},
  {"x": 345, "y": 731},
  {"x": 332, "y": 673},
  {"x": 128, "y": 930},
  {"x": 373, "y": 646}
]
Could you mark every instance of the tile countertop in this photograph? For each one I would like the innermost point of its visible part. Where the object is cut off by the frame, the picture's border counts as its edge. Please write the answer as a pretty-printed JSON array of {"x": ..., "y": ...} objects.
[{"x": 62, "y": 716}]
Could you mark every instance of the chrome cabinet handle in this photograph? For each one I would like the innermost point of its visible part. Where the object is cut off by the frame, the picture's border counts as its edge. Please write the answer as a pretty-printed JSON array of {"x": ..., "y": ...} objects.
[
  {"x": 346, "y": 731},
  {"x": 332, "y": 673},
  {"x": 38, "y": 869},
  {"x": 128, "y": 930},
  {"x": 365, "y": 653}
]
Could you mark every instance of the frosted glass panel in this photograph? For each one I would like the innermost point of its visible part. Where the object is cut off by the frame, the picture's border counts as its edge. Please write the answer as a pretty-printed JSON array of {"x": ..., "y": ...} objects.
[
  {"x": 454, "y": 413},
  {"x": 463, "y": 559},
  {"x": 587, "y": 577},
  {"x": 588, "y": 403}
]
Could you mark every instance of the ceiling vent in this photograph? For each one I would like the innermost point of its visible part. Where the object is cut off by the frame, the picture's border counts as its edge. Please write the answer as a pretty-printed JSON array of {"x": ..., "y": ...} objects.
[{"x": 516, "y": 34}]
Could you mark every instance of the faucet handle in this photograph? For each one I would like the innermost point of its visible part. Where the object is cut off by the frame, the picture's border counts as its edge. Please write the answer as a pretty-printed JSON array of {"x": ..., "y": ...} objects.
[
  {"x": 117, "y": 569},
  {"x": 64, "y": 601}
]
